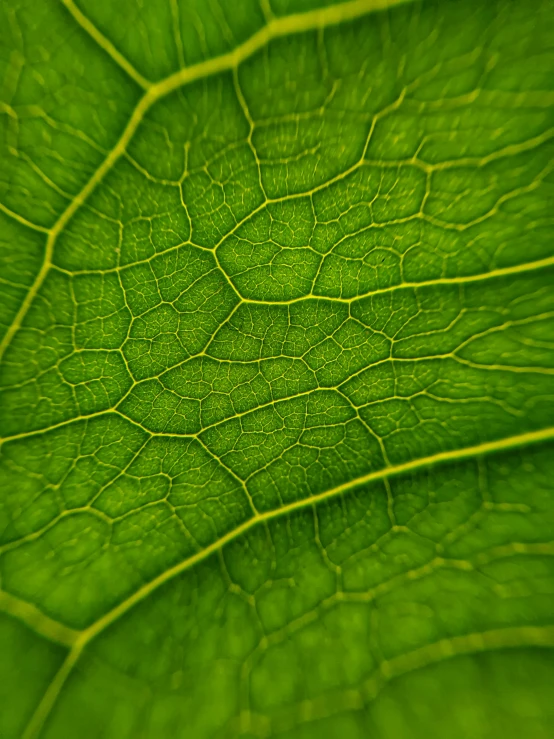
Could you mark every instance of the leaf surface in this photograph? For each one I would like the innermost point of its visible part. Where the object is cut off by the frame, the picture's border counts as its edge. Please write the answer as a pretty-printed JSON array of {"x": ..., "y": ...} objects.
[{"x": 277, "y": 369}]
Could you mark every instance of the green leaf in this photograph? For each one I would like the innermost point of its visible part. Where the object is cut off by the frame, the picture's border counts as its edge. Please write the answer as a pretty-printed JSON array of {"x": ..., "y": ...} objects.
[{"x": 277, "y": 369}]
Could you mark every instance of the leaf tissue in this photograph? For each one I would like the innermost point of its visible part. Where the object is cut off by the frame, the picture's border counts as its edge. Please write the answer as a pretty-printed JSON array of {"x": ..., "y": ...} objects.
[{"x": 276, "y": 369}]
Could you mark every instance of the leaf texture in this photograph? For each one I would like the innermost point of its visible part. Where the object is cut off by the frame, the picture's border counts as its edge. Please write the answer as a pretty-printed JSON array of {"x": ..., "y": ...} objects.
[{"x": 277, "y": 369}]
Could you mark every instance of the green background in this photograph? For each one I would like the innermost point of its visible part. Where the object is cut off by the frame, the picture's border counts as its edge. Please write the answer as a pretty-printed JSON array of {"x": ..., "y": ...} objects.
[{"x": 277, "y": 369}]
